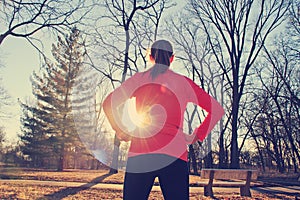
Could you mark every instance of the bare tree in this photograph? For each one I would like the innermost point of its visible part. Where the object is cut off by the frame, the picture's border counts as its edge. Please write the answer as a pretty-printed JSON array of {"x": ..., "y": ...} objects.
[
  {"x": 287, "y": 103},
  {"x": 279, "y": 76},
  {"x": 273, "y": 116},
  {"x": 237, "y": 31},
  {"x": 197, "y": 57},
  {"x": 23, "y": 19},
  {"x": 122, "y": 39}
]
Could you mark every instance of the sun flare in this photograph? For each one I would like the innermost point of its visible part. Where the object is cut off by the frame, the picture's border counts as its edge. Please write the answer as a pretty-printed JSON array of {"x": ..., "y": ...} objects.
[{"x": 133, "y": 119}]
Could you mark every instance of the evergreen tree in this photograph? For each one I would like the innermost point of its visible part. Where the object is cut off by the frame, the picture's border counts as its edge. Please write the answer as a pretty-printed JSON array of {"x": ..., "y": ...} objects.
[
  {"x": 51, "y": 122},
  {"x": 33, "y": 138}
]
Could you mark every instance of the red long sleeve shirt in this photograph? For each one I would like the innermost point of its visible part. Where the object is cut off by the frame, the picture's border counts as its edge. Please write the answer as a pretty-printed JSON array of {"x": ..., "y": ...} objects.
[{"x": 163, "y": 101}]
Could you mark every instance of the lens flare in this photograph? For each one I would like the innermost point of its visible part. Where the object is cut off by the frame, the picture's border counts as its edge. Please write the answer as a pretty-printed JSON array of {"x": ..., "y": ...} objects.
[{"x": 132, "y": 118}]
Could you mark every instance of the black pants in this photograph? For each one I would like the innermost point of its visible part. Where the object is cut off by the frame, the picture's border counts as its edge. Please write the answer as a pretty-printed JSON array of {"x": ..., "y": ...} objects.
[{"x": 173, "y": 178}]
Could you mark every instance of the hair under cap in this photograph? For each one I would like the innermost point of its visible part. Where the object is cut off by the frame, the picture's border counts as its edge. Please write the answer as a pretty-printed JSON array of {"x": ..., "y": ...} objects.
[{"x": 161, "y": 51}]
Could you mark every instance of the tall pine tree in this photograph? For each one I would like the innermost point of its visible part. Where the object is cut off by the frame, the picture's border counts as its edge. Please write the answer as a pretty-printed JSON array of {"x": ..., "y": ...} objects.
[{"x": 51, "y": 122}]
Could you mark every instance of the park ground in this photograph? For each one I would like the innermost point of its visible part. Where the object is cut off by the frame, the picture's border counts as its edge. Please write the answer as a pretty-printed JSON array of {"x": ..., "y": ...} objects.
[{"x": 23, "y": 183}]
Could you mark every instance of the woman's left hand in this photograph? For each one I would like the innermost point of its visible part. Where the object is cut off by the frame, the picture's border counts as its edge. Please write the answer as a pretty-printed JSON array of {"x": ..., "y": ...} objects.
[{"x": 191, "y": 138}]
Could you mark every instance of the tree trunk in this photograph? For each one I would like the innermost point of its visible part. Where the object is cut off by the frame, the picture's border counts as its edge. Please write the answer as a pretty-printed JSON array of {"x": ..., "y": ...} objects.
[
  {"x": 114, "y": 165},
  {"x": 222, "y": 163},
  {"x": 208, "y": 160},
  {"x": 234, "y": 150},
  {"x": 193, "y": 159},
  {"x": 261, "y": 157},
  {"x": 116, "y": 152},
  {"x": 60, "y": 162}
]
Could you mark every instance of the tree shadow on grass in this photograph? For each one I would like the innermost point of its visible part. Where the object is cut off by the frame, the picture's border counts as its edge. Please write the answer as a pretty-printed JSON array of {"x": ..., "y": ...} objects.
[
  {"x": 74, "y": 190},
  {"x": 278, "y": 194}
]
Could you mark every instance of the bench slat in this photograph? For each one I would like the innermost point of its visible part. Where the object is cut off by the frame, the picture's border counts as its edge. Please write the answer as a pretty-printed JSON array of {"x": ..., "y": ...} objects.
[
  {"x": 222, "y": 184},
  {"x": 228, "y": 174}
]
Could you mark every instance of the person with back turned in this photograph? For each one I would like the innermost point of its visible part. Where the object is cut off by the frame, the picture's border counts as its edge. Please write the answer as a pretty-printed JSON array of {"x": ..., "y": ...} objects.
[{"x": 158, "y": 145}]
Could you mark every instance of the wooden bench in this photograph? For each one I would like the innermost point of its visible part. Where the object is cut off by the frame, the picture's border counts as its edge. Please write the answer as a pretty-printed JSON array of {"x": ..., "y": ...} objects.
[{"x": 228, "y": 178}]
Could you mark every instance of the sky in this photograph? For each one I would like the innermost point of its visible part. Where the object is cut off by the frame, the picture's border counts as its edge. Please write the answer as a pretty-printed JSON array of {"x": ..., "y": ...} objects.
[{"x": 18, "y": 60}]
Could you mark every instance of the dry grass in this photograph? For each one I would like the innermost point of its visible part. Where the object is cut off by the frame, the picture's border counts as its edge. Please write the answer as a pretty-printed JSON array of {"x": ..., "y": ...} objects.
[
  {"x": 28, "y": 191},
  {"x": 31, "y": 190},
  {"x": 69, "y": 175}
]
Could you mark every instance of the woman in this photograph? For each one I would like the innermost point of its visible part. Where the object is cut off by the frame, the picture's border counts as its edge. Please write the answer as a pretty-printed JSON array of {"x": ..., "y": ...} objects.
[{"x": 158, "y": 144}]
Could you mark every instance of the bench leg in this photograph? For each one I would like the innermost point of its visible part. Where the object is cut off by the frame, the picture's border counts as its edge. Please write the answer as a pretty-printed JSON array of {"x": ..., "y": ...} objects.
[
  {"x": 208, "y": 192},
  {"x": 245, "y": 191}
]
